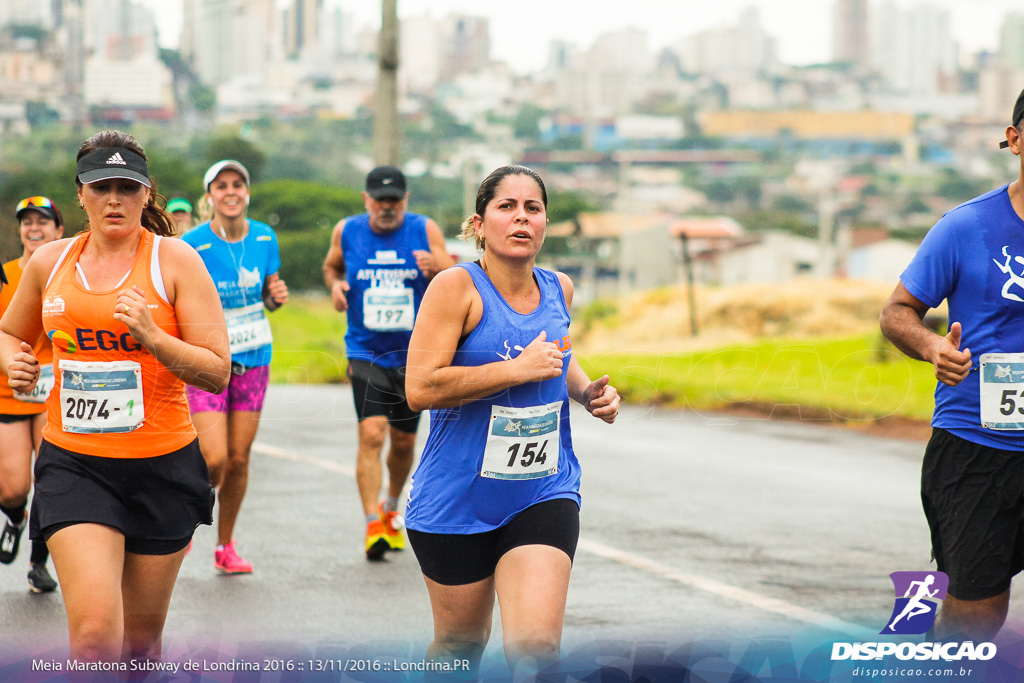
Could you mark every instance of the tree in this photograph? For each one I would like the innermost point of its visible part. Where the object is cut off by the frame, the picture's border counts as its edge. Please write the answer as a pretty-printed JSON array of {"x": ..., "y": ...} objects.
[
  {"x": 526, "y": 125},
  {"x": 204, "y": 99},
  {"x": 720, "y": 193},
  {"x": 297, "y": 206},
  {"x": 239, "y": 149},
  {"x": 564, "y": 206}
]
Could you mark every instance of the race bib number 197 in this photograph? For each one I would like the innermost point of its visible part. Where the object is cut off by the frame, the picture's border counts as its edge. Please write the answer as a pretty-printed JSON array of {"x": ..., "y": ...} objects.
[
  {"x": 1002, "y": 391},
  {"x": 388, "y": 309},
  {"x": 522, "y": 443}
]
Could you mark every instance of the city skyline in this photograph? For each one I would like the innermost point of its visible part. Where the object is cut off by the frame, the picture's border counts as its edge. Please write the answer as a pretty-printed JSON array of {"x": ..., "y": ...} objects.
[{"x": 521, "y": 37}]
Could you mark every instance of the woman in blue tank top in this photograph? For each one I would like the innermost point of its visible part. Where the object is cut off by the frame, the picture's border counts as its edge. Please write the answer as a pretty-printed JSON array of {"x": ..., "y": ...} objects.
[{"x": 494, "y": 506}]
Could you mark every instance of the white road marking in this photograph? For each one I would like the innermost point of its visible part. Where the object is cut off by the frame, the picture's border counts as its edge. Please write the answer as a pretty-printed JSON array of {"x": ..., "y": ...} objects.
[
  {"x": 275, "y": 452},
  {"x": 724, "y": 590},
  {"x": 643, "y": 564}
]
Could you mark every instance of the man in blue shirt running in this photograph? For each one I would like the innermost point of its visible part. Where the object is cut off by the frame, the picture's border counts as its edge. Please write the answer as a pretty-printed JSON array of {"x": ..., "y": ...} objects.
[
  {"x": 377, "y": 268},
  {"x": 972, "y": 482}
]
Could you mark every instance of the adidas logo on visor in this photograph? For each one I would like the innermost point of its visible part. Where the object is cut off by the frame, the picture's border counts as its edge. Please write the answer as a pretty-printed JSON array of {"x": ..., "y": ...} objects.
[{"x": 117, "y": 159}]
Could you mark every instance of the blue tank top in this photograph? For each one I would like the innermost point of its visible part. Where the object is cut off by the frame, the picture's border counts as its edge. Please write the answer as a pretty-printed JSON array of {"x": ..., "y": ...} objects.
[
  {"x": 385, "y": 288},
  {"x": 239, "y": 270},
  {"x": 487, "y": 461}
]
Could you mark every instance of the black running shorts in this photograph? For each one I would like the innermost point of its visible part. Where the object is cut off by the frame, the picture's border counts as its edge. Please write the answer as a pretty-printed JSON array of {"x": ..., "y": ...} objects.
[
  {"x": 973, "y": 498},
  {"x": 9, "y": 418},
  {"x": 155, "y": 502},
  {"x": 460, "y": 559},
  {"x": 380, "y": 391}
]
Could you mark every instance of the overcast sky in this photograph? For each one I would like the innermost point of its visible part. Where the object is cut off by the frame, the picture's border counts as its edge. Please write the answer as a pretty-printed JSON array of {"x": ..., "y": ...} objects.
[{"x": 522, "y": 29}]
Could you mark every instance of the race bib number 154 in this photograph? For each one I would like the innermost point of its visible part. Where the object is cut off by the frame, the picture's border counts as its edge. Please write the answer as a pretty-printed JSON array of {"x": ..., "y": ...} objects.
[{"x": 522, "y": 443}]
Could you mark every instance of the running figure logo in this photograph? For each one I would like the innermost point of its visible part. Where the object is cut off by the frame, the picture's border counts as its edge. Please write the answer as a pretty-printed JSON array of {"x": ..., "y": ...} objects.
[
  {"x": 915, "y": 611},
  {"x": 508, "y": 351},
  {"x": 1015, "y": 279}
]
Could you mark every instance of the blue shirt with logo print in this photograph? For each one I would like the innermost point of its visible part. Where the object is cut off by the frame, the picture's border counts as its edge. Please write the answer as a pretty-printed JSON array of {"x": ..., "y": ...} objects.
[
  {"x": 973, "y": 258},
  {"x": 239, "y": 270},
  {"x": 450, "y": 495},
  {"x": 385, "y": 288}
]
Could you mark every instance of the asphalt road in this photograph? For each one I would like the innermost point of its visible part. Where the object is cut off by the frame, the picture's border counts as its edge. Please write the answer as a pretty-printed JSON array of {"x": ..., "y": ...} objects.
[{"x": 694, "y": 527}]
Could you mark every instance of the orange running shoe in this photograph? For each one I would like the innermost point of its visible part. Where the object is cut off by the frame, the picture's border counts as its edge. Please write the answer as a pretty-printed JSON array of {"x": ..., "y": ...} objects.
[
  {"x": 376, "y": 540},
  {"x": 393, "y": 524}
]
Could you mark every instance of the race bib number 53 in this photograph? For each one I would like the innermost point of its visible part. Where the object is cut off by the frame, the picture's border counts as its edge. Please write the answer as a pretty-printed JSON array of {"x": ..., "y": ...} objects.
[
  {"x": 522, "y": 443},
  {"x": 1002, "y": 391}
]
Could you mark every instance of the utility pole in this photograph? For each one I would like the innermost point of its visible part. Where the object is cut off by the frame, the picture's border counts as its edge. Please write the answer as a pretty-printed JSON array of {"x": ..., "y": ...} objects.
[
  {"x": 826, "y": 235},
  {"x": 385, "y": 121},
  {"x": 690, "y": 294}
]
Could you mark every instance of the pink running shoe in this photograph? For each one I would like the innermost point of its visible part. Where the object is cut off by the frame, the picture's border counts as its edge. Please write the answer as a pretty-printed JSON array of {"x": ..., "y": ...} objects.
[{"x": 228, "y": 562}]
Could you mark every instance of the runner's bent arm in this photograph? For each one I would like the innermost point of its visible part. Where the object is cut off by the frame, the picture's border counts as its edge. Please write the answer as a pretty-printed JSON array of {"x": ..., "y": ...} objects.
[
  {"x": 23, "y": 321},
  {"x": 902, "y": 323},
  {"x": 437, "y": 259},
  {"x": 334, "y": 269},
  {"x": 451, "y": 308},
  {"x": 275, "y": 292},
  {"x": 201, "y": 356},
  {"x": 598, "y": 397}
]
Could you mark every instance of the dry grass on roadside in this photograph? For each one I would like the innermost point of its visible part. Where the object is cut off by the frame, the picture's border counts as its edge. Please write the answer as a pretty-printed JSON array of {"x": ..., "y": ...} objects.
[{"x": 659, "y": 320}]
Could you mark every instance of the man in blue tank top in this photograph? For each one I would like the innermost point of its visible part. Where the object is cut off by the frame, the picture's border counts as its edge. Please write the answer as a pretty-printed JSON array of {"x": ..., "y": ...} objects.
[
  {"x": 377, "y": 268},
  {"x": 972, "y": 483}
]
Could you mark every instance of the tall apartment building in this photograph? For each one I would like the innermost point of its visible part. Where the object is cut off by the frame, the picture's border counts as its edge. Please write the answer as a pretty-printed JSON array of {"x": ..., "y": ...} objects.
[
  {"x": 850, "y": 33},
  {"x": 743, "y": 46},
  {"x": 301, "y": 26},
  {"x": 122, "y": 66},
  {"x": 914, "y": 48},
  {"x": 26, "y": 13},
  {"x": 606, "y": 79},
  {"x": 1011, "y": 40},
  {"x": 231, "y": 39},
  {"x": 466, "y": 45}
]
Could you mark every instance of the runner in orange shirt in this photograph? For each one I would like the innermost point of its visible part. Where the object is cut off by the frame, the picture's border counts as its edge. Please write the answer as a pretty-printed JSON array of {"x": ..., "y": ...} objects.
[
  {"x": 22, "y": 416},
  {"x": 120, "y": 481}
]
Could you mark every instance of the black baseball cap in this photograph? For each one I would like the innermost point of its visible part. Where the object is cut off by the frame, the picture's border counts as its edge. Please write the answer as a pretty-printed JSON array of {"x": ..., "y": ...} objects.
[
  {"x": 113, "y": 162},
  {"x": 386, "y": 182},
  {"x": 1018, "y": 114}
]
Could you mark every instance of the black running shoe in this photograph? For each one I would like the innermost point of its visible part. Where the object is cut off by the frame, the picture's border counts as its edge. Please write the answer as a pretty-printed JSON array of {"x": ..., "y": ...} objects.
[
  {"x": 39, "y": 579},
  {"x": 10, "y": 540}
]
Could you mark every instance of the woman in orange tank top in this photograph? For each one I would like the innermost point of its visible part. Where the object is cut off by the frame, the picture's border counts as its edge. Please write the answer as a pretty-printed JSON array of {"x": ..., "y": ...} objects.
[
  {"x": 120, "y": 481},
  {"x": 22, "y": 416}
]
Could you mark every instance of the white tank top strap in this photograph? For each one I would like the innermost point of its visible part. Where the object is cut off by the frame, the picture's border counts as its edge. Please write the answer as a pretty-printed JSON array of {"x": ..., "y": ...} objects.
[
  {"x": 63, "y": 255},
  {"x": 155, "y": 274}
]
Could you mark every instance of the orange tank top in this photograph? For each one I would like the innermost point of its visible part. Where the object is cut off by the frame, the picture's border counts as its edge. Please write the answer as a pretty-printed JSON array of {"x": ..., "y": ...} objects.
[
  {"x": 34, "y": 403},
  {"x": 111, "y": 397}
]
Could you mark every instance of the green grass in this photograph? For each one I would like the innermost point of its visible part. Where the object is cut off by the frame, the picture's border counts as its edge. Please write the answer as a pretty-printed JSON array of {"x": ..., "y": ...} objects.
[
  {"x": 860, "y": 378},
  {"x": 852, "y": 379},
  {"x": 309, "y": 342}
]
